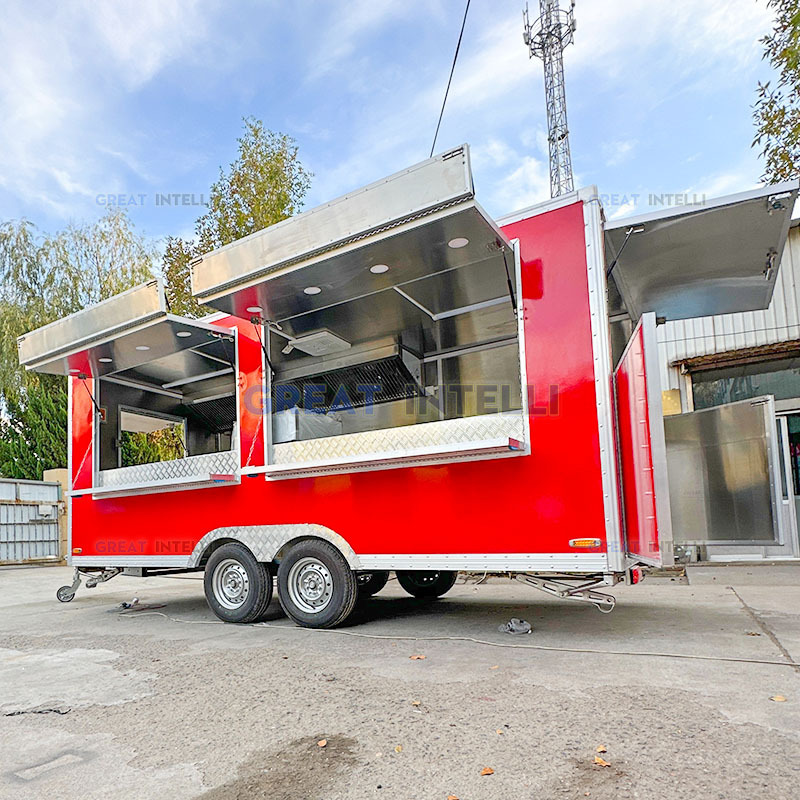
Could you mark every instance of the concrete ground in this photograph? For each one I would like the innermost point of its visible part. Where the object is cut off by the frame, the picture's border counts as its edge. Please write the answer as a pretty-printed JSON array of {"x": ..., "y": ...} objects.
[{"x": 99, "y": 704}]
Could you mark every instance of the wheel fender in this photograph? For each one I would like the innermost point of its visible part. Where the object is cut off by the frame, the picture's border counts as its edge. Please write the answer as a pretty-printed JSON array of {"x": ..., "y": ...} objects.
[{"x": 265, "y": 541}]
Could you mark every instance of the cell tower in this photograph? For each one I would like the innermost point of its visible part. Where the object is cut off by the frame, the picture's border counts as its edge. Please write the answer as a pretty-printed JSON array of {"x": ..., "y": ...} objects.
[{"x": 546, "y": 38}]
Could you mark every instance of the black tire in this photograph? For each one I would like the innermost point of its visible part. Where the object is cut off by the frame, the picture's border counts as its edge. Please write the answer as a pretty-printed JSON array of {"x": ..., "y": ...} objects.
[
  {"x": 65, "y": 594},
  {"x": 238, "y": 588},
  {"x": 425, "y": 583},
  {"x": 316, "y": 587},
  {"x": 370, "y": 583}
]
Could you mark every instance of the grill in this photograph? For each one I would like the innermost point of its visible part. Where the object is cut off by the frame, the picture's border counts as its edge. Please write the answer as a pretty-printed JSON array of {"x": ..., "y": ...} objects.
[
  {"x": 354, "y": 386},
  {"x": 217, "y": 415}
]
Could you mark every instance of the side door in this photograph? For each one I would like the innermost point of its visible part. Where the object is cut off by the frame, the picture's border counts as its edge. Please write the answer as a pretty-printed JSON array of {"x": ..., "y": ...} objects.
[{"x": 641, "y": 449}]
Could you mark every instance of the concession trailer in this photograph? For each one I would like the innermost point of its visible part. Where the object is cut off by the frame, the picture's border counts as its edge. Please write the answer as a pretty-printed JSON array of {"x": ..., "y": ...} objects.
[{"x": 395, "y": 381}]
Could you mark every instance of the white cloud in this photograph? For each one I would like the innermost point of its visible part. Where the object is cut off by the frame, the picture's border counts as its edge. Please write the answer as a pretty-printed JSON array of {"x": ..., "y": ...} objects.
[
  {"x": 65, "y": 68},
  {"x": 346, "y": 29},
  {"x": 723, "y": 183},
  {"x": 624, "y": 210},
  {"x": 524, "y": 185},
  {"x": 617, "y": 152}
]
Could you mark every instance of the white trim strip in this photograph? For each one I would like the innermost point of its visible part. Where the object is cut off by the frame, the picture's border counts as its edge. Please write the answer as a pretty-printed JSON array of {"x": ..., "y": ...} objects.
[
  {"x": 603, "y": 375},
  {"x": 454, "y": 452},
  {"x": 500, "y": 562},
  {"x": 112, "y": 560}
]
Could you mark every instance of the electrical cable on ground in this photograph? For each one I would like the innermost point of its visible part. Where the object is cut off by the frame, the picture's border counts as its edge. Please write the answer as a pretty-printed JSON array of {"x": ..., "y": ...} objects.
[
  {"x": 450, "y": 79},
  {"x": 548, "y": 648}
]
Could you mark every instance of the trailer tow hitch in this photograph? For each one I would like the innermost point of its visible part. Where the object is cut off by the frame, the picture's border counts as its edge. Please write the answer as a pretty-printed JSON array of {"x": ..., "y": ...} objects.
[
  {"x": 66, "y": 593},
  {"x": 567, "y": 591}
]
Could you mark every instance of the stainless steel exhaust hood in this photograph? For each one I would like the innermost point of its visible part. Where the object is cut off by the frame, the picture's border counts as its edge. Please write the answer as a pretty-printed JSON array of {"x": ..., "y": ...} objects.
[{"x": 374, "y": 373}]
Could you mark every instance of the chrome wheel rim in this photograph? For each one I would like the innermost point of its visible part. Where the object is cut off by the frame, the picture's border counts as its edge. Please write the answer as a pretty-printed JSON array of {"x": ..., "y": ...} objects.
[
  {"x": 230, "y": 583},
  {"x": 310, "y": 585}
]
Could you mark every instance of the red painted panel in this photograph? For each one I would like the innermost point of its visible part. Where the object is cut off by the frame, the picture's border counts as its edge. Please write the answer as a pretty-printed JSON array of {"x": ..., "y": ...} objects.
[
  {"x": 250, "y": 382},
  {"x": 82, "y": 467},
  {"x": 635, "y": 452},
  {"x": 521, "y": 504}
]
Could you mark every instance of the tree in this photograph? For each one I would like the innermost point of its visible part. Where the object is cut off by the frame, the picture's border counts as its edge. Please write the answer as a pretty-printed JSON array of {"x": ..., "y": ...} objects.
[
  {"x": 45, "y": 277},
  {"x": 178, "y": 254},
  {"x": 33, "y": 435},
  {"x": 777, "y": 108},
  {"x": 42, "y": 278},
  {"x": 264, "y": 185}
]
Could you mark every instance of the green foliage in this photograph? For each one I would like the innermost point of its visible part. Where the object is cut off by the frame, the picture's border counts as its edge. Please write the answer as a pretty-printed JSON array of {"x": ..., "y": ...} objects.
[
  {"x": 264, "y": 185},
  {"x": 147, "y": 448},
  {"x": 45, "y": 277},
  {"x": 177, "y": 284},
  {"x": 777, "y": 107},
  {"x": 42, "y": 278},
  {"x": 33, "y": 435}
]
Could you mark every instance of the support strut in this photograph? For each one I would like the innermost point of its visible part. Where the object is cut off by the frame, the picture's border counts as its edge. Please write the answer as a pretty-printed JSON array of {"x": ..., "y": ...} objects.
[
  {"x": 67, "y": 593},
  {"x": 567, "y": 591}
]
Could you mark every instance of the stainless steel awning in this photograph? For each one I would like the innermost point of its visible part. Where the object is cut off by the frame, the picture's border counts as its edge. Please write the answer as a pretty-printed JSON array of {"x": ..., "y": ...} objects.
[
  {"x": 716, "y": 258},
  {"x": 414, "y": 231},
  {"x": 120, "y": 334}
]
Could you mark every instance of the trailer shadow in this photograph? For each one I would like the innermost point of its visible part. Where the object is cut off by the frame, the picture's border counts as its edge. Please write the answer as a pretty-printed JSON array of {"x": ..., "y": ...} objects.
[{"x": 483, "y": 611}]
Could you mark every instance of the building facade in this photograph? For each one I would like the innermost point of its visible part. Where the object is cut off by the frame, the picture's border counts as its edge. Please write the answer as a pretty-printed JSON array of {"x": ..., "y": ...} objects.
[{"x": 734, "y": 361}]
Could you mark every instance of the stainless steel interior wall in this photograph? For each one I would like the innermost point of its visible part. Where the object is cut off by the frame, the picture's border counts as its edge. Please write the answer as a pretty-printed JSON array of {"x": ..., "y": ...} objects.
[{"x": 721, "y": 480}]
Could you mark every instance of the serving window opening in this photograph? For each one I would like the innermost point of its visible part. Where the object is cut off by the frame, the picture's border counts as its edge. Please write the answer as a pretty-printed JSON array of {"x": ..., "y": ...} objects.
[
  {"x": 146, "y": 437},
  {"x": 429, "y": 362},
  {"x": 392, "y": 323},
  {"x": 170, "y": 418}
]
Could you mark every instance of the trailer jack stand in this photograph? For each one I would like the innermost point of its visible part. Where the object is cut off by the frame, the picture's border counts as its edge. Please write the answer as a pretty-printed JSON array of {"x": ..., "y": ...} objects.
[
  {"x": 567, "y": 591},
  {"x": 67, "y": 593}
]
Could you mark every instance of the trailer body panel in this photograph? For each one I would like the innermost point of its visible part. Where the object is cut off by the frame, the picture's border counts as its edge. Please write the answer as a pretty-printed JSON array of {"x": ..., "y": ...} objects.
[{"x": 514, "y": 510}]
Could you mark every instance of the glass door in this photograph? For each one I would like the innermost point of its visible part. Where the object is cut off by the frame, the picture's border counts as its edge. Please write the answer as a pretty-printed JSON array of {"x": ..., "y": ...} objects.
[{"x": 789, "y": 438}]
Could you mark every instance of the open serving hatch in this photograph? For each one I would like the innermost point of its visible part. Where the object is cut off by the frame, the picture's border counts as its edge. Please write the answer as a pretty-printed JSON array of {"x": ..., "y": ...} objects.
[
  {"x": 381, "y": 307},
  {"x": 163, "y": 385},
  {"x": 718, "y": 257}
]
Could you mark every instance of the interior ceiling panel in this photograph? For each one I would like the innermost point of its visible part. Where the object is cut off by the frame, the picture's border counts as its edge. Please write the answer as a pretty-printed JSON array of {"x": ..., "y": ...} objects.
[
  {"x": 716, "y": 258},
  {"x": 364, "y": 319},
  {"x": 412, "y": 253},
  {"x": 183, "y": 364},
  {"x": 460, "y": 288},
  {"x": 121, "y": 333}
]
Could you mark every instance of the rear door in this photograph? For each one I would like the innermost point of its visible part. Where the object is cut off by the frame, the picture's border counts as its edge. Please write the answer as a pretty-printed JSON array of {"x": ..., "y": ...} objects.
[{"x": 641, "y": 449}]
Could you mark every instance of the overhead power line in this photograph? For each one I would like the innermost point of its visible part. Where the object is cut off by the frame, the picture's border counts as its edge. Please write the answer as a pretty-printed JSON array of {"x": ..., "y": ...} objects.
[{"x": 450, "y": 79}]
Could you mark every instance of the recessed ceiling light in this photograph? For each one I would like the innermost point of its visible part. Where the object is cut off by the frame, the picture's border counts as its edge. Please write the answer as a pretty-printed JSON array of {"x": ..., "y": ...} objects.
[
  {"x": 312, "y": 290},
  {"x": 183, "y": 334},
  {"x": 142, "y": 347},
  {"x": 459, "y": 241},
  {"x": 254, "y": 309},
  {"x": 378, "y": 269},
  {"x": 105, "y": 360}
]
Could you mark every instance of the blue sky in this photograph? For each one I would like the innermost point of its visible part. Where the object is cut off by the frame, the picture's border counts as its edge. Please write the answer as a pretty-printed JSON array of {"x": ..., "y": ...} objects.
[{"x": 137, "y": 99}]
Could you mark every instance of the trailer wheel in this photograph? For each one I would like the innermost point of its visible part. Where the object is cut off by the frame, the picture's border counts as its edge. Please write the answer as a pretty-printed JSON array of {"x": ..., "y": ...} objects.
[
  {"x": 65, "y": 594},
  {"x": 370, "y": 583},
  {"x": 316, "y": 586},
  {"x": 238, "y": 588},
  {"x": 424, "y": 583}
]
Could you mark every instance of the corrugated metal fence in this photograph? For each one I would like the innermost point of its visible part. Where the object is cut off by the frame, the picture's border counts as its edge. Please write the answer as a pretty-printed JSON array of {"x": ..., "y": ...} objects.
[{"x": 29, "y": 529}]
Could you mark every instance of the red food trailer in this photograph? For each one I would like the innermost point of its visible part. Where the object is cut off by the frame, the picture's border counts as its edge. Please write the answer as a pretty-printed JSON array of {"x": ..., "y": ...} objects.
[{"x": 390, "y": 381}]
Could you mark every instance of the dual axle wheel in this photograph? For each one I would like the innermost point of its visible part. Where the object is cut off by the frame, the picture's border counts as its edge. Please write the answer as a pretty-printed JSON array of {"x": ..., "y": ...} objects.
[{"x": 316, "y": 587}]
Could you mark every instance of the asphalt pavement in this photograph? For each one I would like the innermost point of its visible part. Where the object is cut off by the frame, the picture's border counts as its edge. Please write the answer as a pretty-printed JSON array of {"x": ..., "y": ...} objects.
[{"x": 165, "y": 701}]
